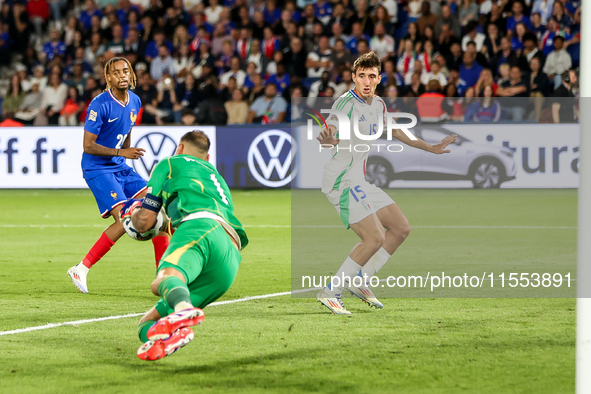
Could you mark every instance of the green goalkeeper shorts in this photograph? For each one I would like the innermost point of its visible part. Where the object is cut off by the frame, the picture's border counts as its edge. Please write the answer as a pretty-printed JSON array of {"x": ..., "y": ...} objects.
[{"x": 204, "y": 253}]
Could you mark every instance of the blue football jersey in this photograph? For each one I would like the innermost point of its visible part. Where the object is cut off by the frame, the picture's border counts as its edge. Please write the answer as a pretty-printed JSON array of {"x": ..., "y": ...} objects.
[{"x": 111, "y": 120}]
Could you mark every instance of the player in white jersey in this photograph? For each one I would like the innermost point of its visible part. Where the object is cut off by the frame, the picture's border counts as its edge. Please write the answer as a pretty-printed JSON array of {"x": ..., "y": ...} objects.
[{"x": 363, "y": 207}]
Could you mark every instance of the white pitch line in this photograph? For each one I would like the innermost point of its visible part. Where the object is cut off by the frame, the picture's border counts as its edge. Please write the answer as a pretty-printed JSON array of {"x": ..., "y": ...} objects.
[
  {"x": 78, "y": 322},
  {"x": 310, "y": 226}
]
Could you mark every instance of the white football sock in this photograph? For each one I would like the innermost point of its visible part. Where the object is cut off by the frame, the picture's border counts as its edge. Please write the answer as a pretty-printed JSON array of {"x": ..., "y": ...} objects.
[
  {"x": 375, "y": 263},
  {"x": 83, "y": 268},
  {"x": 349, "y": 269}
]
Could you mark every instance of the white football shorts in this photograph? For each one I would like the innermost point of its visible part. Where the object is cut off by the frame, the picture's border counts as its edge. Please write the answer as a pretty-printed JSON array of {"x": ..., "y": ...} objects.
[{"x": 353, "y": 204}]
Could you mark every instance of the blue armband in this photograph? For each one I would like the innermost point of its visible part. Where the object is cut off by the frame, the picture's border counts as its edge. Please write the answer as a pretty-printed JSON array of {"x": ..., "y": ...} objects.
[{"x": 152, "y": 203}]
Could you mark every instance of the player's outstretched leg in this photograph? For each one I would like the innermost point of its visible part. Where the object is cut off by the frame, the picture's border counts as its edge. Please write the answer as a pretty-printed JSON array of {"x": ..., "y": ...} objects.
[
  {"x": 155, "y": 350},
  {"x": 176, "y": 294}
]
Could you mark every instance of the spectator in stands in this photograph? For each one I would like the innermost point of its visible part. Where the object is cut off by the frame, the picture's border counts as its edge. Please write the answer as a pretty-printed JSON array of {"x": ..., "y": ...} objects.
[
  {"x": 72, "y": 107},
  {"x": 473, "y": 35},
  {"x": 517, "y": 17},
  {"x": 212, "y": 13},
  {"x": 363, "y": 17},
  {"x": 76, "y": 79},
  {"x": 515, "y": 89},
  {"x": 558, "y": 61},
  {"x": 234, "y": 72},
  {"x": 547, "y": 41},
  {"x": 427, "y": 18},
  {"x": 269, "y": 108},
  {"x": 86, "y": 15},
  {"x": 259, "y": 25},
  {"x": 203, "y": 58},
  {"x": 212, "y": 110},
  {"x": 517, "y": 39},
  {"x": 486, "y": 78},
  {"x": 319, "y": 87},
  {"x": 153, "y": 48},
  {"x": 38, "y": 11},
  {"x": 563, "y": 105},
  {"x": 544, "y": 8},
  {"x": 346, "y": 84},
  {"x": 381, "y": 43},
  {"x": 237, "y": 108},
  {"x": 560, "y": 15},
  {"x": 434, "y": 74},
  {"x": 54, "y": 97},
  {"x": 94, "y": 50},
  {"x": 449, "y": 19},
  {"x": 480, "y": 56},
  {"x": 540, "y": 85},
  {"x": 257, "y": 90},
  {"x": 415, "y": 86},
  {"x": 257, "y": 57},
  {"x": 504, "y": 70},
  {"x": 270, "y": 43},
  {"x": 362, "y": 48},
  {"x": 537, "y": 27},
  {"x": 382, "y": 16},
  {"x": 492, "y": 42},
  {"x": 489, "y": 109},
  {"x": 414, "y": 10},
  {"x": 319, "y": 61},
  {"x": 227, "y": 90},
  {"x": 452, "y": 105},
  {"x": 356, "y": 36},
  {"x": 39, "y": 77},
  {"x": 406, "y": 62},
  {"x": 338, "y": 18},
  {"x": 496, "y": 18},
  {"x": 243, "y": 43},
  {"x": 54, "y": 47},
  {"x": 454, "y": 59},
  {"x": 530, "y": 50},
  {"x": 280, "y": 79},
  {"x": 167, "y": 105},
  {"x": 147, "y": 93},
  {"x": 505, "y": 55},
  {"x": 429, "y": 103},
  {"x": 31, "y": 106},
  {"x": 188, "y": 94},
  {"x": 162, "y": 64},
  {"x": 468, "y": 12},
  {"x": 14, "y": 98},
  {"x": 469, "y": 72}
]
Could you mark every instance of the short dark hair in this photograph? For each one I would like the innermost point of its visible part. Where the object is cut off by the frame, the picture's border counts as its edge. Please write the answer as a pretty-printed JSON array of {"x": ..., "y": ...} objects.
[
  {"x": 557, "y": 37},
  {"x": 198, "y": 139},
  {"x": 369, "y": 60}
]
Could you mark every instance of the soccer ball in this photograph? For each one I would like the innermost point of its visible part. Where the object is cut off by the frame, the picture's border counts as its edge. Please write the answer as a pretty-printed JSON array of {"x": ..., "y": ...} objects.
[{"x": 160, "y": 225}]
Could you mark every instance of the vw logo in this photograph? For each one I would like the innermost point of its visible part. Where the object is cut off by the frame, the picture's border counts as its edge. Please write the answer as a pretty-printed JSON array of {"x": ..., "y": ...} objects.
[
  {"x": 158, "y": 146},
  {"x": 270, "y": 158}
]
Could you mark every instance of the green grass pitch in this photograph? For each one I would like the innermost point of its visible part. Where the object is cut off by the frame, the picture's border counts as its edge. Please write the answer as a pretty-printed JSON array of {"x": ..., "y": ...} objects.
[{"x": 284, "y": 344}]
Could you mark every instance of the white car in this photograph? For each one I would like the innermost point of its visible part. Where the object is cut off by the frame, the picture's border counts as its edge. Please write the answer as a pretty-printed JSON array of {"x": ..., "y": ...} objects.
[{"x": 486, "y": 165}]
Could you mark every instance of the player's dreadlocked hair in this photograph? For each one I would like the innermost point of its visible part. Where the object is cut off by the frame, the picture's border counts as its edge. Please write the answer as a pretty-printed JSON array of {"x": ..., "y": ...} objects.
[
  {"x": 132, "y": 77},
  {"x": 369, "y": 60}
]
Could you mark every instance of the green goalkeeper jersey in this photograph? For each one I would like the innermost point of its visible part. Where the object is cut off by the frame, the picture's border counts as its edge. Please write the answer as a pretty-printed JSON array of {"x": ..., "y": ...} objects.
[{"x": 192, "y": 188}]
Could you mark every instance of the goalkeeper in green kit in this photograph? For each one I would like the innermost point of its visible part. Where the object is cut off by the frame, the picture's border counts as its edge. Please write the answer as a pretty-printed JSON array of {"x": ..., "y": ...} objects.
[{"x": 202, "y": 259}]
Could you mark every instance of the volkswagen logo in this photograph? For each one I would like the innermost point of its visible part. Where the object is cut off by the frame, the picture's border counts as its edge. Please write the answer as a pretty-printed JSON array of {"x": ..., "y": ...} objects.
[
  {"x": 158, "y": 146},
  {"x": 270, "y": 158}
]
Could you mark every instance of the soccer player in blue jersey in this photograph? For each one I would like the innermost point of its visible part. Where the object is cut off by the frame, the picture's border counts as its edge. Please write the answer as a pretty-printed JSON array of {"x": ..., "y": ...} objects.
[{"x": 107, "y": 143}]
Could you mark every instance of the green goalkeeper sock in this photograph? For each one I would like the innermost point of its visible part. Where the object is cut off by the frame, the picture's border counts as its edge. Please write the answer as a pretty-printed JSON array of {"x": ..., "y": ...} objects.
[
  {"x": 142, "y": 329},
  {"x": 174, "y": 291}
]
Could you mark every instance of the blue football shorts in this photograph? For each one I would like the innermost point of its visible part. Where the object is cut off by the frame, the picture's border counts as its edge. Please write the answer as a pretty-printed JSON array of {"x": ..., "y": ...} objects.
[{"x": 114, "y": 188}]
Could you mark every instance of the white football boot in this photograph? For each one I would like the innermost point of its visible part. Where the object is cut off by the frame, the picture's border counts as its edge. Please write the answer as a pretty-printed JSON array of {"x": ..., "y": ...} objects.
[
  {"x": 333, "y": 302},
  {"x": 78, "y": 275},
  {"x": 365, "y": 294}
]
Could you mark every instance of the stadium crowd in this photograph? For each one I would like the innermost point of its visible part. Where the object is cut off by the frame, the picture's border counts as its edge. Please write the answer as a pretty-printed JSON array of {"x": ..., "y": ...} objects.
[{"x": 246, "y": 61}]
